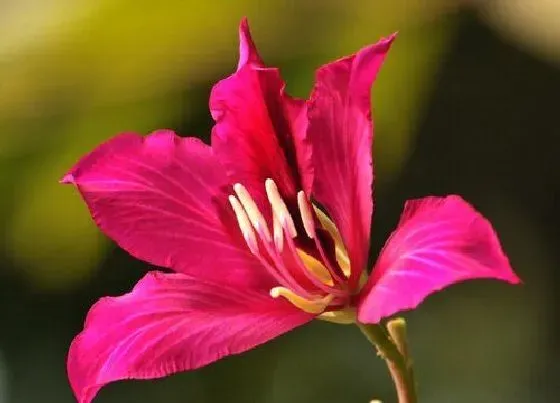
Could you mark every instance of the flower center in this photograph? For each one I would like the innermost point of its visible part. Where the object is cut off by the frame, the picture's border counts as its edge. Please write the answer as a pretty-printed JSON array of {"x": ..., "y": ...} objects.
[{"x": 309, "y": 280}]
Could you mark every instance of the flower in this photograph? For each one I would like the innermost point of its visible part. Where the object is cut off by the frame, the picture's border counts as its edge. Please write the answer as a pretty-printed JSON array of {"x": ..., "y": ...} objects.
[{"x": 265, "y": 230}]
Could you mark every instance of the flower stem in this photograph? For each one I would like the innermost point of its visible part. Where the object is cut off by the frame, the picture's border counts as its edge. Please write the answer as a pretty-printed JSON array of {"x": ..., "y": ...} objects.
[{"x": 392, "y": 347}]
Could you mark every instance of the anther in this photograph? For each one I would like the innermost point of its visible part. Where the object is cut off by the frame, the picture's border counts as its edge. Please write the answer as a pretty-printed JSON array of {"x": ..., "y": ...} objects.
[
  {"x": 244, "y": 224},
  {"x": 255, "y": 216},
  {"x": 315, "y": 306},
  {"x": 279, "y": 207},
  {"x": 306, "y": 215}
]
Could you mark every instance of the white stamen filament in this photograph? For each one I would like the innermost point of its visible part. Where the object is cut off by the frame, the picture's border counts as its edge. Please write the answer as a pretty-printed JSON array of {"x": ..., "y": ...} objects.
[
  {"x": 308, "y": 273},
  {"x": 244, "y": 224},
  {"x": 278, "y": 251},
  {"x": 278, "y": 271},
  {"x": 306, "y": 215},
  {"x": 278, "y": 233},
  {"x": 255, "y": 216},
  {"x": 279, "y": 207}
]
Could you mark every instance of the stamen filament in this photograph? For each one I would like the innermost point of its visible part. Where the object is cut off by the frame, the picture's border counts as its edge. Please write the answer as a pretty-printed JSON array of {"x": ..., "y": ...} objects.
[
  {"x": 317, "y": 282},
  {"x": 281, "y": 268},
  {"x": 335, "y": 272},
  {"x": 281, "y": 276},
  {"x": 306, "y": 214},
  {"x": 342, "y": 317},
  {"x": 314, "y": 306},
  {"x": 279, "y": 207},
  {"x": 278, "y": 232},
  {"x": 244, "y": 225},
  {"x": 253, "y": 212},
  {"x": 341, "y": 254},
  {"x": 285, "y": 266}
]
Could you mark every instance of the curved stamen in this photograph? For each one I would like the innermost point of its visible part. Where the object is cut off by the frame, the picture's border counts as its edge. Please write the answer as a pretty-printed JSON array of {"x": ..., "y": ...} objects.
[
  {"x": 316, "y": 267},
  {"x": 244, "y": 224},
  {"x": 251, "y": 240},
  {"x": 307, "y": 218},
  {"x": 253, "y": 212},
  {"x": 279, "y": 207},
  {"x": 314, "y": 306},
  {"x": 341, "y": 254},
  {"x": 281, "y": 212},
  {"x": 278, "y": 232},
  {"x": 310, "y": 276},
  {"x": 335, "y": 272},
  {"x": 291, "y": 282},
  {"x": 306, "y": 215},
  {"x": 319, "y": 273}
]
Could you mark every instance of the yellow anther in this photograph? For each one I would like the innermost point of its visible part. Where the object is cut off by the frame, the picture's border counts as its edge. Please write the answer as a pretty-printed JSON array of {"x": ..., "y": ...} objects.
[
  {"x": 279, "y": 207},
  {"x": 255, "y": 216},
  {"x": 244, "y": 224},
  {"x": 315, "y": 306},
  {"x": 314, "y": 266},
  {"x": 306, "y": 214},
  {"x": 340, "y": 250},
  {"x": 342, "y": 317}
]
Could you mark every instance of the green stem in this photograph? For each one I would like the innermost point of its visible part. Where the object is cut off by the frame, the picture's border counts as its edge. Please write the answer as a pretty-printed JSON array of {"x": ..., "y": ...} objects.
[{"x": 399, "y": 365}]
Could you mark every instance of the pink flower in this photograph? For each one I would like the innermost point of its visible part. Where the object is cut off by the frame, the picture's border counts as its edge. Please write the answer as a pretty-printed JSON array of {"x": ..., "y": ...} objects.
[{"x": 265, "y": 230}]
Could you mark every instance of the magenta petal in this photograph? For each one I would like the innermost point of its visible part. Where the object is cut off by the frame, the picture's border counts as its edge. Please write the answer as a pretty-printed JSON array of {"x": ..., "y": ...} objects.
[
  {"x": 171, "y": 323},
  {"x": 341, "y": 134},
  {"x": 161, "y": 199},
  {"x": 248, "y": 53},
  {"x": 296, "y": 113},
  {"x": 439, "y": 241},
  {"x": 259, "y": 131}
]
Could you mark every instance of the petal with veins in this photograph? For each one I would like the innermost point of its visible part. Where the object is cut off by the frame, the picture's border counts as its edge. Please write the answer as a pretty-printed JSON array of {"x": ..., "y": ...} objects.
[
  {"x": 341, "y": 134},
  {"x": 171, "y": 323},
  {"x": 260, "y": 131},
  {"x": 439, "y": 241},
  {"x": 163, "y": 199}
]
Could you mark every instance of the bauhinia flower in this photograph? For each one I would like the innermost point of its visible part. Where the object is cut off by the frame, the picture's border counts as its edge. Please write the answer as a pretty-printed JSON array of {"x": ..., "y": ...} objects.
[{"x": 264, "y": 230}]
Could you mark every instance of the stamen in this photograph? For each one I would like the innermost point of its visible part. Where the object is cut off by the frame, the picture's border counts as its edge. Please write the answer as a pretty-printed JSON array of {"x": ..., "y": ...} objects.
[
  {"x": 244, "y": 224},
  {"x": 277, "y": 271},
  {"x": 342, "y": 317},
  {"x": 309, "y": 274},
  {"x": 306, "y": 215},
  {"x": 282, "y": 270},
  {"x": 341, "y": 253},
  {"x": 255, "y": 216},
  {"x": 315, "y": 267},
  {"x": 315, "y": 306},
  {"x": 278, "y": 233},
  {"x": 279, "y": 207}
]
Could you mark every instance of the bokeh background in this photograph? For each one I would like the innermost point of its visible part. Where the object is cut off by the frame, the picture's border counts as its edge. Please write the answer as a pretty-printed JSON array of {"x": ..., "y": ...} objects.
[{"x": 468, "y": 103}]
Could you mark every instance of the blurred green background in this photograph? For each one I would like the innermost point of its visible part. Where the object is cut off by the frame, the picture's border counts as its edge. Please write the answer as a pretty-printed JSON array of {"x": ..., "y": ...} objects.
[{"x": 468, "y": 103}]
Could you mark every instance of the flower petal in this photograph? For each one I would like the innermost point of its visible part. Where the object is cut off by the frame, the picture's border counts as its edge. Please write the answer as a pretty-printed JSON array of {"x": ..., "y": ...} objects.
[
  {"x": 439, "y": 241},
  {"x": 341, "y": 133},
  {"x": 171, "y": 323},
  {"x": 259, "y": 131},
  {"x": 162, "y": 198},
  {"x": 248, "y": 53}
]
